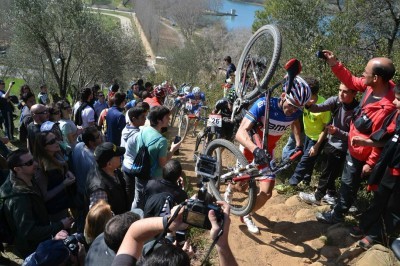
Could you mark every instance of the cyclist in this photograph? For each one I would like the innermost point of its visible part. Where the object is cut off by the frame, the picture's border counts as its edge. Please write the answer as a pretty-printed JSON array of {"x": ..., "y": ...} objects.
[
  {"x": 224, "y": 108},
  {"x": 196, "y": 98},
  {"x": 284, "y": 113},
  {"x": 158, "y": 97}
]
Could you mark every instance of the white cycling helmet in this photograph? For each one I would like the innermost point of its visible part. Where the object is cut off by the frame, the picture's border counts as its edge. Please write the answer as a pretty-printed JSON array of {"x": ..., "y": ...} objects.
[
  {"x": 196, "y": 90},
  {"x": 300, "y": 93},
  {"x": 186, "y": 89}
]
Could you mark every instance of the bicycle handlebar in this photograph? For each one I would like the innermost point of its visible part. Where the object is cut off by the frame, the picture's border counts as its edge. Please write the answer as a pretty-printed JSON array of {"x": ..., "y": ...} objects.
[{"x": 242, "y": 173}]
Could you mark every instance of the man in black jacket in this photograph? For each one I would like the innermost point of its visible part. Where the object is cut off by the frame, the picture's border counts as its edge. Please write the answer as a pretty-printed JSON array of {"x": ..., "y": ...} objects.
[
  {"x": 105, "y": 181},
  {"x": 25, "y": 210}
]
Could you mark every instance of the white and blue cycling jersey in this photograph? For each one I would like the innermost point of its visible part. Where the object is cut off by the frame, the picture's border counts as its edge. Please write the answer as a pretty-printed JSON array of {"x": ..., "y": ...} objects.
[
  {"x": 278, "y": 121},
  {"x": 196, "y": 101}
]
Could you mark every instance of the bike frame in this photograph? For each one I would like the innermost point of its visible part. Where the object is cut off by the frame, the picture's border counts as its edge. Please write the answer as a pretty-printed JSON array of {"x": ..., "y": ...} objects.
[{"x": 293, "y": 68}]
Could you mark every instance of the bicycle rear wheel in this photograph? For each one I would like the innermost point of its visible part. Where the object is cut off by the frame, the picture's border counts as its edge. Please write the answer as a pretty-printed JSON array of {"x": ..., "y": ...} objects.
[
  {"x": 243, "y": 194},
  {"x": 258, "y": 62}
]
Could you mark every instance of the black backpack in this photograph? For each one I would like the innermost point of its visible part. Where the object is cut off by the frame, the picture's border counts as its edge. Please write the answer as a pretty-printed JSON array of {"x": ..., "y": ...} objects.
[
  {"x": 78, "y": 115},
  {"x": 141, "y": 166}
]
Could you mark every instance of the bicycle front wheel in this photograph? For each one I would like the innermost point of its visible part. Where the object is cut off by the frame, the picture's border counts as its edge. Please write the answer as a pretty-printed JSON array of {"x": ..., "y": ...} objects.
[
  {"x": 183, "y": 125},
  {"x": 258, "y": 62},
  {"x": 243, "y": 194}
]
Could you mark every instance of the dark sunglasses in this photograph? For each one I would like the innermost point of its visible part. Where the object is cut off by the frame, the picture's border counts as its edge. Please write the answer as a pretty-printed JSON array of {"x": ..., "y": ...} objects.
[
  {"x": 42, "y": 113},
  {"x": 28, "y": 163},
  {"x": 66, "y": 107},
  {"x": 51, "y": 142},
  {"x": 101, "y": 95},
  {"x": 55, "y": 113},
  {"x": 294, "y": 106}
]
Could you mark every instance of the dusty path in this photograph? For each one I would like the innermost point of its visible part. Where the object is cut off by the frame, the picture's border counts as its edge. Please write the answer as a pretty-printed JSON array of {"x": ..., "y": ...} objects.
[{"x": 290, "y": 234}]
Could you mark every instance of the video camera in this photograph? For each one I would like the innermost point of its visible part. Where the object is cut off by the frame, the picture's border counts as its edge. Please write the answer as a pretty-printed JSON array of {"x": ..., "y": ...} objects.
[{"x": 72, "y": 241}]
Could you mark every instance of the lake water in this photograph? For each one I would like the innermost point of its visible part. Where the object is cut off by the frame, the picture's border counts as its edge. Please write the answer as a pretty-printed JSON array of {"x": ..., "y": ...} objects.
[{"x": 245, "y": 14}]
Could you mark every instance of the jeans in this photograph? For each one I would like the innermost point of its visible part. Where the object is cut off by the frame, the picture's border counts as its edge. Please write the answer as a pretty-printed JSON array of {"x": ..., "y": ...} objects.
[
  {"x": 305, "y": 167},
  {"x": 9, "y": 124},
  {"x": 290, "y": 146},
  {"x": 351, "y": 180},
  {"x": 333, "y": 165},
  {"x": 140, "y": 185}
]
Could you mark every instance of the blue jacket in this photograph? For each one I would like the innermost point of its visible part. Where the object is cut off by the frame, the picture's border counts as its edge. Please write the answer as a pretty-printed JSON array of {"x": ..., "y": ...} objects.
[{"x": 115, "y": 124}]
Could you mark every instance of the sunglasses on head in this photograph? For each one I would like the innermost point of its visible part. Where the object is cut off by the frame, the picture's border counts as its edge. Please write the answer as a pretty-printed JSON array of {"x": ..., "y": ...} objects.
[
  {"x": 28, "y": 163},
  {"x": 51, "y": 142}
]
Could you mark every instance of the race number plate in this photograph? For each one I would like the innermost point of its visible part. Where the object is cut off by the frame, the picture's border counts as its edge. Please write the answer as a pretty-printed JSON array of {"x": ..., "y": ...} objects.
[{"x": 214, "y": 120}]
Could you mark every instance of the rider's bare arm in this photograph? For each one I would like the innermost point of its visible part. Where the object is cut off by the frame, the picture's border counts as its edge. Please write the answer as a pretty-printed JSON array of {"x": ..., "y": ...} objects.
[
  {"x": 296, "y": 129},
  {"x": 242, "y": 135}
]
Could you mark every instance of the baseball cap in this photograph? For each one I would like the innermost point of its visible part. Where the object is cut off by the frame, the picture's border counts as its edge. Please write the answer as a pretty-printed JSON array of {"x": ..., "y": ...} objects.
[
  {"x": 106, "y": 151},
  {"x": 48, "y": 253}
]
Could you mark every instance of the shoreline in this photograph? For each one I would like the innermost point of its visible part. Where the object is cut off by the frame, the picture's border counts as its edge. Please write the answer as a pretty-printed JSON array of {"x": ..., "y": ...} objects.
[{"x": 251, "y": 2}]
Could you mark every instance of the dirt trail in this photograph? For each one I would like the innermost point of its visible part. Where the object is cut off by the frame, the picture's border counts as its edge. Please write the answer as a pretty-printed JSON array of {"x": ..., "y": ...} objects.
[{"x": 290, "y": 234}]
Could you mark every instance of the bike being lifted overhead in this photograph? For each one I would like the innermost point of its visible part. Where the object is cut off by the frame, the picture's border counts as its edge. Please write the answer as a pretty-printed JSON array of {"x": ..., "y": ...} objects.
[{"x": 222, "y": 162}]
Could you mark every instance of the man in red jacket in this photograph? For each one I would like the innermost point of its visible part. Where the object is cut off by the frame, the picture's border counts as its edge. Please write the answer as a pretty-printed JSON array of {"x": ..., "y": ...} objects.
[{"x": 375, "y": 105}]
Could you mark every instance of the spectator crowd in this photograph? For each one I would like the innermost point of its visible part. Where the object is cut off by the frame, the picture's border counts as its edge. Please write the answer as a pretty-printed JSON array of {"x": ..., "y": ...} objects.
[{"x": 76, "y": 191}]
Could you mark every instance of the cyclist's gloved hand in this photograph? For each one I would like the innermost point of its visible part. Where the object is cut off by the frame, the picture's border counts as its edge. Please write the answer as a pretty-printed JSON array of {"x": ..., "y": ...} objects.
[{"x": 261, "y": 156}]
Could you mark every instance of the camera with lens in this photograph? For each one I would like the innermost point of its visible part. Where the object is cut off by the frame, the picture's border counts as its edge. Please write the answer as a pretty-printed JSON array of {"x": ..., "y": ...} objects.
[
  {"x": 320, "y": 54},
  {"x": 196, "y": 210},
  {"x": 72, "y": 241}
]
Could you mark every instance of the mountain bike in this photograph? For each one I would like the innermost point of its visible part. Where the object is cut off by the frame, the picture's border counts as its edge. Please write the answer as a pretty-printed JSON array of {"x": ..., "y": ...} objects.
[
  {"x": 255, "y": 69},
  {"x": 173, "y": 105},
  {"x": 186, "y": 116},
  {"x": 231, "y": 167}
]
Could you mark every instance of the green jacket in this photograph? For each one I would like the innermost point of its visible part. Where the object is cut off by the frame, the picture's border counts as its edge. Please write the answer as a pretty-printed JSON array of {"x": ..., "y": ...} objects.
[{"x": 27, "y": 215}]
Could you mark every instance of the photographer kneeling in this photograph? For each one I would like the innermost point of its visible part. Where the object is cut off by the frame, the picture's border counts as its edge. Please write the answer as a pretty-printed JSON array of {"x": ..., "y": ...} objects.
[{"x": 145, "y": 229}]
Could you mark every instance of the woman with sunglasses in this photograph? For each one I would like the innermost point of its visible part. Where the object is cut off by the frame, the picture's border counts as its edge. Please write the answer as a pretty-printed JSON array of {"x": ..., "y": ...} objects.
[
  {"x": 68, "y": 128},
  {"x": 54, "y": 178}
]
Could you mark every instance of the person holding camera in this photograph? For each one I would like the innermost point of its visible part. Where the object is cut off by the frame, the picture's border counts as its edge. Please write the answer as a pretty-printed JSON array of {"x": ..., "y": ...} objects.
[
  {"x": 157, "y": 147},
  {"x": 131, "y": 248},
  {"x": 375, "y": 105},
  {"x": 24, "y": 205}
]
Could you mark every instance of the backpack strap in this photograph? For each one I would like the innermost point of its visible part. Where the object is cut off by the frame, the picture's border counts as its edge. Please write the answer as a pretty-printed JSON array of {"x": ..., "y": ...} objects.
[{"x": 151, "y": 142}]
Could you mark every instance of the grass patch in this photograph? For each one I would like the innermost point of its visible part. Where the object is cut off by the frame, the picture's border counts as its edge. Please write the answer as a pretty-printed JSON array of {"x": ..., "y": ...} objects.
[
  {"x": 17, "y": 86},
  {"x": 110, "y": 22}
]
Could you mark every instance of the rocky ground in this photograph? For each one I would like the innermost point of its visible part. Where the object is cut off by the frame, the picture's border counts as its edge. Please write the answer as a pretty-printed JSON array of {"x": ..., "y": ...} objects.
[{"x": 289, "y": 232}]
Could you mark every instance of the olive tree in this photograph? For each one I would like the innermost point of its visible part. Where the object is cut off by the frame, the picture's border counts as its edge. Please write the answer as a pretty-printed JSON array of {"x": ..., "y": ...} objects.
[
  {"x": 355, "y": 30},
  {"x": 62, "y": 42}
]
